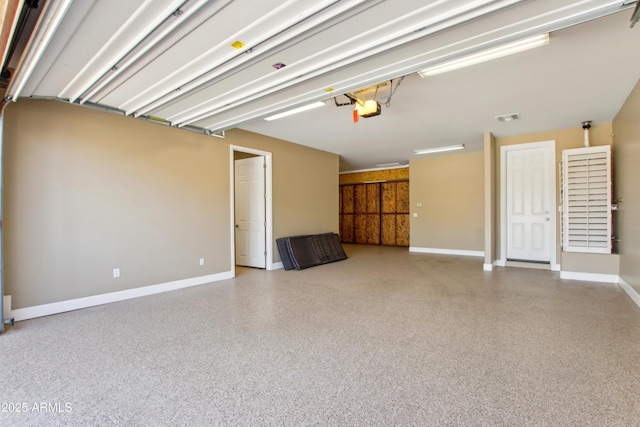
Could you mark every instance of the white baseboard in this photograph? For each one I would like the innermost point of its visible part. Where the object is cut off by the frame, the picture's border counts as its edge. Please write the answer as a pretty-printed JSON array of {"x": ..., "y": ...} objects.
[
  {"x": 446, "y": 251},
  {"x": 489, "y": 267},
  {"x": 590, "y": 277},
  {"x": 78, "y": 303},
  {"x": 6, "y": 306},
  {"x": 277, "y": 266},
  {"x": 633, "y": 294}
]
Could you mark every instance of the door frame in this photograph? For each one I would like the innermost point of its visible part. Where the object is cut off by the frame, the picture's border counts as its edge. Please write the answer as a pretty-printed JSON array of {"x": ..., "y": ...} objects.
[
  {"x": 268, "y": 203},
  {"x": 553, "y": 235}
]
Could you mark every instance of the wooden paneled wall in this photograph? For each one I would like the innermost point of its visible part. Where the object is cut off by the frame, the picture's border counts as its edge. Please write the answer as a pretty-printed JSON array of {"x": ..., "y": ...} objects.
[
  {"x": 395, "y": 213},
  {"x": 375, "y": 213},
  {"x": 367, "y": 214}
]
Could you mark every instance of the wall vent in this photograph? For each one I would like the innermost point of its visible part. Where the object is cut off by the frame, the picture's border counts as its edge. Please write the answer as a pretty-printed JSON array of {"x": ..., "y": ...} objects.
[{"x": 508, "y": 117}]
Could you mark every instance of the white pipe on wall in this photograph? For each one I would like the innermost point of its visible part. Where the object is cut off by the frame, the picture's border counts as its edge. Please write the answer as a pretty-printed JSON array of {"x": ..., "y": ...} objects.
[{"x": 586, "y": 126}]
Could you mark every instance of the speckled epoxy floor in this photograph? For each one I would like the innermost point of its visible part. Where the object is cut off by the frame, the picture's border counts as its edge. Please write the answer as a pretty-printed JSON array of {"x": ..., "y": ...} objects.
[{"x": 383, "y": 338}]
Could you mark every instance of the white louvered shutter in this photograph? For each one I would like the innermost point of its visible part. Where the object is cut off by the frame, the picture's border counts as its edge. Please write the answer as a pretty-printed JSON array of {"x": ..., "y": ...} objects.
[{"x": 586, "y": 194}]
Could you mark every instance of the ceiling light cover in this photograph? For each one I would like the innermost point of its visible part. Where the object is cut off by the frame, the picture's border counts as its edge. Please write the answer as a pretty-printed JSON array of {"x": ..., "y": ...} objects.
[
  {"x": 439, "y": 149},
  {"x": 487, "y": 55}
]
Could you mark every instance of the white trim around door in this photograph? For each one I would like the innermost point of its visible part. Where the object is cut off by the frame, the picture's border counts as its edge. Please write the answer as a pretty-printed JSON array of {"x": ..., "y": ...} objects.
[
  {"x": 269, "y": 203},
  {"x": 551, "y": 146}
]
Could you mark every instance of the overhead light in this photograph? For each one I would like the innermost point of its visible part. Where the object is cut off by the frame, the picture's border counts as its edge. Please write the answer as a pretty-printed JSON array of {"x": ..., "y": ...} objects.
[
  {"x": 296, "y": 111},
  {"x": 439, "y": 149},
  {"x": 370, "y": 108},
  {"x": 487, "y": 55}
]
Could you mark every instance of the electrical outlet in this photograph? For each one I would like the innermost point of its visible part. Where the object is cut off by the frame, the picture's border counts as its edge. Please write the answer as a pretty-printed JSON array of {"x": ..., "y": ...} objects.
[
  {"x": 201, "y": 261},
  {"x": 116, "y": 272}
]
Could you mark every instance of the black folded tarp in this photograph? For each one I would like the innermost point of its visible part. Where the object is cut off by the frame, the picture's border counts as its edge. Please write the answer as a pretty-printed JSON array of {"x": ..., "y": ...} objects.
[{"x": 298, "y": 252}]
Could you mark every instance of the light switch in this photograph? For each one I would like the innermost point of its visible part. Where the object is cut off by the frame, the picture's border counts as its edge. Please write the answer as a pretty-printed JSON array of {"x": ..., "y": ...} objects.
[{"x": 415, "y": 214}]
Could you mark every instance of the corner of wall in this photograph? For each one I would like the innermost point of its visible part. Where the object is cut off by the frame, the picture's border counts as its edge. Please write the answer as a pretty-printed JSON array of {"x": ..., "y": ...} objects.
[{"x": 489, "y": 201}]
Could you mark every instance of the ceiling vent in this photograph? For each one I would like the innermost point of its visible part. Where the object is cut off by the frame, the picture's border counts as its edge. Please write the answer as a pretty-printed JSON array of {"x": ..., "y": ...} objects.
[{"x": 508, "y": 117}]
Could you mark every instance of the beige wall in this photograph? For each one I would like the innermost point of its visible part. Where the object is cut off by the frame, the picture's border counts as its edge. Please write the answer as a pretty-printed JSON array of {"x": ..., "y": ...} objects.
[
  {"x": 450, "y": 189},
  {"x": 626, "y": 170},
  {"x": 600, "y": 134},
  {"x": 86, "y": 192},
  {"x": 591, "y": 263}
]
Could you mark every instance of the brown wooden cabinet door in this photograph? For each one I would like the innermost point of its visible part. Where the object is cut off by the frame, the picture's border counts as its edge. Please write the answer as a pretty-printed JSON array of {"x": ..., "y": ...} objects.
[
  {"x": 402, "y": 230},
  {"x": 360, "y": 223},
  {"x": 402, "y": 213},
  {"x": 347, "y": 234},
  {"x": 347, "y": 199},
  {"x": 361, "y": 229},
  {"x": 375, "y": 213},
  {"x": 389, "y": 197},
  {"x": 402, "y": 197},
  {"x": 395, "y": 209},
  {"x": 360, "y": 196},
  {"x": 373, "y": 198},
  {"x": 347, "y": 229},
  {"x": 389, "y": 229},
  {"x": 373, "y": 229}
]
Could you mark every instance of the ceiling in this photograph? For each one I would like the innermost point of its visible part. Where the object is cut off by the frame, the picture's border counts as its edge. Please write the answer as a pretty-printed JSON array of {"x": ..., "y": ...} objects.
[{"x": 208, "y": 66}]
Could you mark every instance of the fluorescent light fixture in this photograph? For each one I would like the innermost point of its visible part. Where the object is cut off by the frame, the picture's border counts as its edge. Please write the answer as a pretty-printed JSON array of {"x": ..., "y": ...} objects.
[
  {"x": 295, "y": 111},
  {"x": 439, "y": 149},
  {"x": 487, "y": 55}
]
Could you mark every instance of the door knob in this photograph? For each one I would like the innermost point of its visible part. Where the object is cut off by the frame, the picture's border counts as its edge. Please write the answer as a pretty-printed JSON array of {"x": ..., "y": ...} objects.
[
  {"x": 237, "y": 226},
  {"x": 546, "y": 219}
]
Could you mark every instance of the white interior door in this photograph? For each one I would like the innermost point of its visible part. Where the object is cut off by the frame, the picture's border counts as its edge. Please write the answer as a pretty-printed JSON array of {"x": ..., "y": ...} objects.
[
  {"x": 529, "y": 205},
  {"x": 250, "y": 212}
]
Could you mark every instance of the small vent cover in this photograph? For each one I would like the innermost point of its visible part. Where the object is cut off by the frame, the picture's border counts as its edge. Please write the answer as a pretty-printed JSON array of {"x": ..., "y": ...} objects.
[{"x": 508, "y": 117}]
